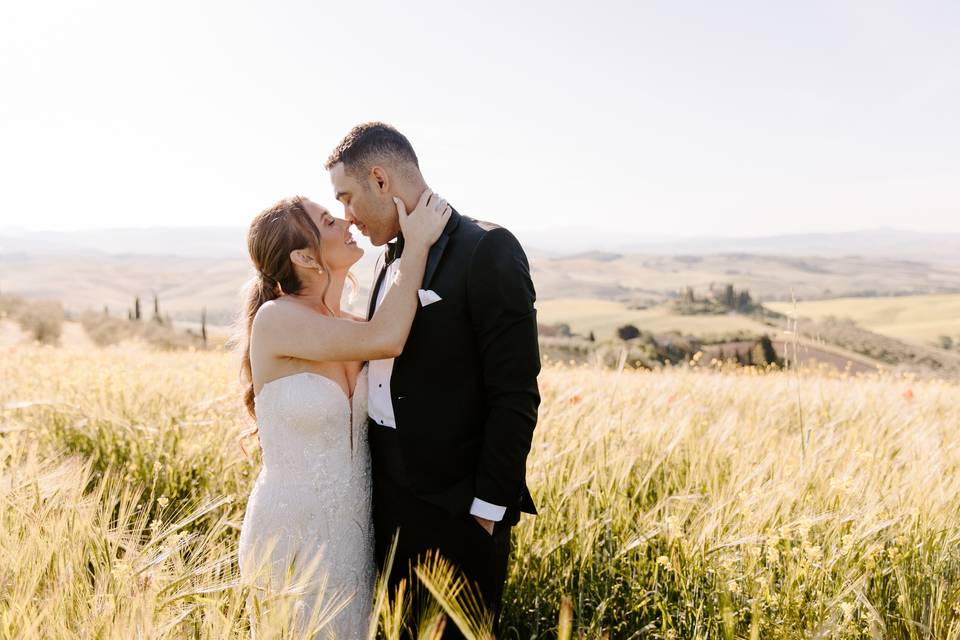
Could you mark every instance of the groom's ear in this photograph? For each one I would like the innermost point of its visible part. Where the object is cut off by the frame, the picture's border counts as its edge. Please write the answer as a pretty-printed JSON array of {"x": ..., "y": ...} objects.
[{"x": 380, "y": 178}]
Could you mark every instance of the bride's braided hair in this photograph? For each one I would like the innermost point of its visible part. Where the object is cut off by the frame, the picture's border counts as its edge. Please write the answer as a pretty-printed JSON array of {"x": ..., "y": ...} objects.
[{"x": 273, "y": 234}]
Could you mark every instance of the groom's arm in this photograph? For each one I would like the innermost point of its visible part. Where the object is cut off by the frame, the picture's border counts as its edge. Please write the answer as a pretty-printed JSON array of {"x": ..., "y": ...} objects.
[{"x": 500, "y": 296}]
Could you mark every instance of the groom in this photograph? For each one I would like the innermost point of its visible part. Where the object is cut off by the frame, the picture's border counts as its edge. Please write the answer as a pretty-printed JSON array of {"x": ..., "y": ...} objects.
[{"x": 452, "y": 417}]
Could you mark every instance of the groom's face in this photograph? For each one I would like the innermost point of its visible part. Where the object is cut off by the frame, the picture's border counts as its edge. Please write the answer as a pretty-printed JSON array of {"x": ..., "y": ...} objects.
[{"x": 366, "y": 205}]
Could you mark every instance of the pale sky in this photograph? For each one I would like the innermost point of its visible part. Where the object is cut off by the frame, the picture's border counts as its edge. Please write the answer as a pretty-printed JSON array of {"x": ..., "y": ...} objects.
[{"x": 661, "y": 118}]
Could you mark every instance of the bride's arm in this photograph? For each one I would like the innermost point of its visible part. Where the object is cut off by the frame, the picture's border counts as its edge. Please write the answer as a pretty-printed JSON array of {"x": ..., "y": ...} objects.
[{"x": 293, "y": 330}]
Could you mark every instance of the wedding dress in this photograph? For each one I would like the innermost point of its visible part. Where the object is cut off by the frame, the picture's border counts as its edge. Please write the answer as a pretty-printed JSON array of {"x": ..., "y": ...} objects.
[{"x": 313, "y": 496}]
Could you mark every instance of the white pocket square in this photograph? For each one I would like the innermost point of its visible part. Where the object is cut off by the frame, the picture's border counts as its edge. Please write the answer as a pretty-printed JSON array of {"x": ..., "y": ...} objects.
[{"x": 428, "y": 297}]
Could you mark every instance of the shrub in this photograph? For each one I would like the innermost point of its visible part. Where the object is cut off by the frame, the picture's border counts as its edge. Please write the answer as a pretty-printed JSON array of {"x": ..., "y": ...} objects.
[
  {"x": 106, "y": 330},
  {"x": 628, "y": 332},
  {"x": 41, "y": 319}
]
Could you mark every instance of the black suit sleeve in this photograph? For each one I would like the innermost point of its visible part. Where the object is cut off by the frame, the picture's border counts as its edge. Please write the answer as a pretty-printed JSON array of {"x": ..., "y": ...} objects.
[{"x": 500, "y": 296}]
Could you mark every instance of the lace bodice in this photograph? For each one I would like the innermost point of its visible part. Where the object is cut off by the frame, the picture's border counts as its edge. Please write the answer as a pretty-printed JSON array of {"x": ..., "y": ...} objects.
[
  {"x": 313, "y": 493},
  {"x": 299, "y": 418}
]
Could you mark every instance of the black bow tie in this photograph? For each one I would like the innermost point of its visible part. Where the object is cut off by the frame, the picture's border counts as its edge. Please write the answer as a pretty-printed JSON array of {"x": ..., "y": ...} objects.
[{"x": 394, "y": 249}]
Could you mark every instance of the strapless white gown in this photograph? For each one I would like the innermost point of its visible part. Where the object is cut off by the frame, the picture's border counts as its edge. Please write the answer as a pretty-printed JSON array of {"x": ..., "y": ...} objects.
[{"x": 313, "y": 496}]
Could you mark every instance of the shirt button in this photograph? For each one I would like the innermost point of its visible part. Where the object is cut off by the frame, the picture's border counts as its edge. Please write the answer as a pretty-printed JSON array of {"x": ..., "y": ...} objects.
[{"x": 380, "y": 385}]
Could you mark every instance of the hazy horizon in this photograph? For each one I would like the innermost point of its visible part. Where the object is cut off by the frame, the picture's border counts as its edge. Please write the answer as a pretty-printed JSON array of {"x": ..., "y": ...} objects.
[
  {"x": 693, "y": 235},
  {"x": 229, "y": 241}
]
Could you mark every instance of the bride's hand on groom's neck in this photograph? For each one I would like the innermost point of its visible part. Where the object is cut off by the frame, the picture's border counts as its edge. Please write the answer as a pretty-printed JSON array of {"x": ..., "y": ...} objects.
[{"x": 422, "y": 226}]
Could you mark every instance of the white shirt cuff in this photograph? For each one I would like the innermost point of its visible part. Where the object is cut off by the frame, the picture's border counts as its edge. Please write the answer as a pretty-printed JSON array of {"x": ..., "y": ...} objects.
[{"x": 486, "y": 510}]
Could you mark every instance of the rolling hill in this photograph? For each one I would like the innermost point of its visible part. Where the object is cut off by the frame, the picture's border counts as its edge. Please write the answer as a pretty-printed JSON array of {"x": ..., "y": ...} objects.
[
  {"x": 206, "y": 267},
  {"x": 917, "y": 318}
]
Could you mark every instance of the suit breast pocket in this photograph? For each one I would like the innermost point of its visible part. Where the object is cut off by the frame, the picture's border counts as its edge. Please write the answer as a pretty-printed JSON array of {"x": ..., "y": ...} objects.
[
  {"x": 439, "y": 305},
  {"x": 441, "y": 330}
]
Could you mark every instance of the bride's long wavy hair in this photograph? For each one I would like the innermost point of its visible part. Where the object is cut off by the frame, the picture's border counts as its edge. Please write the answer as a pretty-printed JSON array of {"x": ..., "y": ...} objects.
[{"x": 273, "y": 234}]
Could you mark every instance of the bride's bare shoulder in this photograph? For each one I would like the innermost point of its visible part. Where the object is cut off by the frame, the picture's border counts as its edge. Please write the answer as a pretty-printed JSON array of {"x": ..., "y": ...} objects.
[
  {"x": 268, "y": 311},
  {"x": 277, "y": 313}
]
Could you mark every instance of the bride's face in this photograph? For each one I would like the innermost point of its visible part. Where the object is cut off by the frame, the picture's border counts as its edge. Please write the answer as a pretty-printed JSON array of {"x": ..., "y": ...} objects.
[{"x": 340, "y": 250}]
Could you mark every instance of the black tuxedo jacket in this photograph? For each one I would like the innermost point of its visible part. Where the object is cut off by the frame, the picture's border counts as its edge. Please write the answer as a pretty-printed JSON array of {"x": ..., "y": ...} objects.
[{"x": 464, "y": 389}]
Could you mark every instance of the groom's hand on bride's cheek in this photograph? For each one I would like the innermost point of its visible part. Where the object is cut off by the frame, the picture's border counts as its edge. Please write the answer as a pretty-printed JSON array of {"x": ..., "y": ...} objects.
[{"x": 486, "y": 524}]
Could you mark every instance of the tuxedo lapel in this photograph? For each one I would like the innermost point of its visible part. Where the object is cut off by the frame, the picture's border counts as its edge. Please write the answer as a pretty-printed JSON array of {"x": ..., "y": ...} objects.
[
  {"x": 436, "y": 251},
  {"x": 376, "y": 291}
]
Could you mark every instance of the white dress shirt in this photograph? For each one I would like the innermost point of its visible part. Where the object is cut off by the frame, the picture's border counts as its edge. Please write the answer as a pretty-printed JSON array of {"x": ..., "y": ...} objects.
[{"x": 380, "y": 403}]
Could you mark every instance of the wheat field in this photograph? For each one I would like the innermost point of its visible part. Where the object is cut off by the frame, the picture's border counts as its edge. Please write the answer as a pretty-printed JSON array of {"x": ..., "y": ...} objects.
[{"x": 686, "y": 503}]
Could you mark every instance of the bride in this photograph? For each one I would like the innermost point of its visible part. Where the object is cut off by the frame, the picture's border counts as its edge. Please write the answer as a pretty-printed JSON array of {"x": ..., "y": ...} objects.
[{"x": 308, "y": 518}]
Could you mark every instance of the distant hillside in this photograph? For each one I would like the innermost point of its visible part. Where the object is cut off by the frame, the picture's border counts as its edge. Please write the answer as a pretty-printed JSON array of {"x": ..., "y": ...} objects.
[
  {"x": 922, "y": 319},
  {"x": 193, "y": 268},
  {"x": 646, "y": 278},
  {"x": 596, "y": 256},
  {"x": 587, "y": 242},
  {"x": 874, "y": 243},
  {"x": 207, "y": 242},
  {"x": 184, "y": 284}
]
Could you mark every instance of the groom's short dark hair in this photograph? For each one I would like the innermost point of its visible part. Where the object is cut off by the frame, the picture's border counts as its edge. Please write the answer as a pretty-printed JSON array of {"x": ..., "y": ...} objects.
[{"x": 369, "y": 142}]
